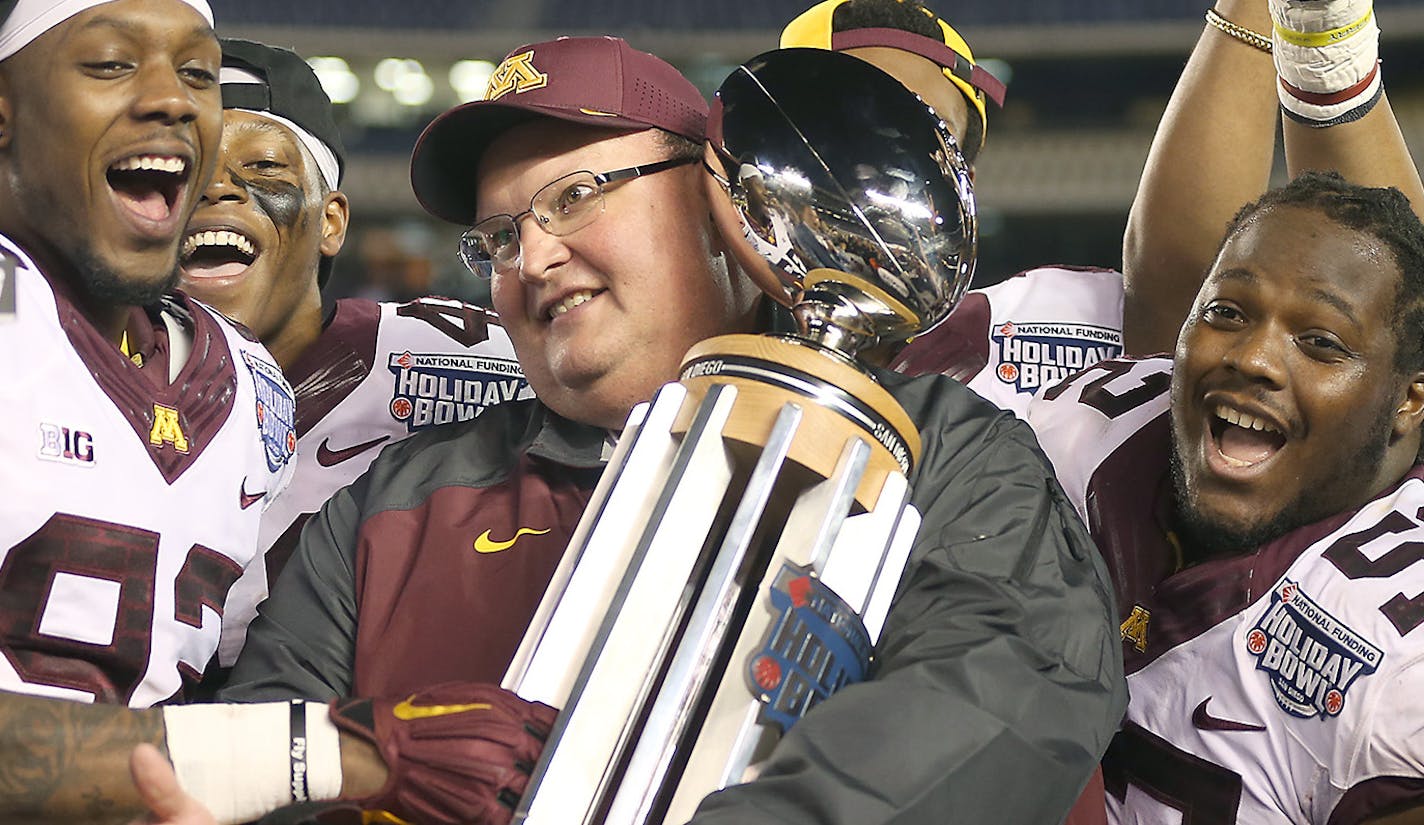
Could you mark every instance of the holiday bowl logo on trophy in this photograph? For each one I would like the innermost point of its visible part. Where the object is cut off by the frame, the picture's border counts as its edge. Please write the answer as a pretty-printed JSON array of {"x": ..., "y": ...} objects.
[{"x": 735, "y": 565}]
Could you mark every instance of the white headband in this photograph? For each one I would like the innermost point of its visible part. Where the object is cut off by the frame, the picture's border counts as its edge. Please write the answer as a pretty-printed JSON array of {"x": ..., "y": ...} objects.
[
  {"x": 320, "y": 152},
  {"x": 32, "y": 18}
]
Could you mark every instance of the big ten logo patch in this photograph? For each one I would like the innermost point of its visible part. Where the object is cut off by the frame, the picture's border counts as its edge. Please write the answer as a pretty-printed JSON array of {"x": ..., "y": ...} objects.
[
  {"x": 1037, "y": 354},
  {"x": 67, "y": 445},
  {"x": 1309, "y": 656},
  {"x": 276, "y": 411},
  {"x": 816, "y": 646},
  {"x": 439, "y": 388}
]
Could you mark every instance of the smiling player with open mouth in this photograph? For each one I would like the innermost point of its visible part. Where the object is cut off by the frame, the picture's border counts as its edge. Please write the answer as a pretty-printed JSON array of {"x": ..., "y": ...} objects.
[
  {"x": 1259, "y": 499},
  {"x": 140, "y": 428}
]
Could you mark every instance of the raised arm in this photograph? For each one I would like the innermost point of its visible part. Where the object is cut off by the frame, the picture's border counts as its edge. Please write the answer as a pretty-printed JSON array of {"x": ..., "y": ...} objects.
[
  {"x": 1371, "y": 151},
  {"x": 1336, "y": 79},
  {"x": 1211, "y": 155},
  {"x": 1213, "y": 148}
]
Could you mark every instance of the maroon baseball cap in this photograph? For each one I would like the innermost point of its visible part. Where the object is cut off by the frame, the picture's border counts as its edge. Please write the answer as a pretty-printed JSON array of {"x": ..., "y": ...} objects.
[{"x": 595, "y": 80}]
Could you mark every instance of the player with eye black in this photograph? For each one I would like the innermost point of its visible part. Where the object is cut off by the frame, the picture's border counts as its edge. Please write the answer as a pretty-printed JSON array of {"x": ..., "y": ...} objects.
[{"x": 259, "y": 248}]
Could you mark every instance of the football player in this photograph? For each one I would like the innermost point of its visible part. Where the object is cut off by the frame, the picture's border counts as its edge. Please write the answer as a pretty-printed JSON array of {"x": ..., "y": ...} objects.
[
  {"x": 1008, "y": 340},
  {"x": 259, "y": 248},
  {"x": 160, "y": 59},
  {"x": 143, "y": 433},
  {"x": 1259, "y": 500},
  {"x": 1212, "y": 154}
]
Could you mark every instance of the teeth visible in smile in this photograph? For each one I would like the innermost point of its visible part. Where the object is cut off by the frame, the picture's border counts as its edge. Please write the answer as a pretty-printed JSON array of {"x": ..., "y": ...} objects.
[
  {"x": 1233, "y": 462},
  {"x": 1241, "y": 419},
  {"x": 219, "y": 237},
  {"x": 154, "y": 163},
  {"x": 570, "y": 302}
]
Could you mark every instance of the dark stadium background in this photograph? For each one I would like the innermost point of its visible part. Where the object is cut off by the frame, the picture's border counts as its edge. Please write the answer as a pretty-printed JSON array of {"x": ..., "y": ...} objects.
[{"x": 1088, "y": 80}]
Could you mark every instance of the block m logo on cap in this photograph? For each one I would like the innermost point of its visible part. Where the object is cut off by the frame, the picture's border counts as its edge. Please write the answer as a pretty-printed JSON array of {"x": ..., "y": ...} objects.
[{"x": 516, "y": 74}]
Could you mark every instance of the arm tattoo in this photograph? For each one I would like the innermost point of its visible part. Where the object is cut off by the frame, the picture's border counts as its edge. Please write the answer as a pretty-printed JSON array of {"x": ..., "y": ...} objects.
[{"x": 68, "y": 762}]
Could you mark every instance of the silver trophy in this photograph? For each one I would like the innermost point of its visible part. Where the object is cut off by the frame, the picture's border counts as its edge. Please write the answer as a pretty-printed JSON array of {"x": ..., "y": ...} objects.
[{"x": 735, "y": 565}]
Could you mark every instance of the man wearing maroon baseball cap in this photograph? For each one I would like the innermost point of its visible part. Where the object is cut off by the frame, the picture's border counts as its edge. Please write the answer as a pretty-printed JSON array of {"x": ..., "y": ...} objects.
[
  {"x": 595, "y": 81},
  {"x": 577, "y": 130}
]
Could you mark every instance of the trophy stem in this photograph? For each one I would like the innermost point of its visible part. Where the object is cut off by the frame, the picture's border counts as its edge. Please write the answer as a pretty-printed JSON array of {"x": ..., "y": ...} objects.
[{"x": 849, "y": 314}]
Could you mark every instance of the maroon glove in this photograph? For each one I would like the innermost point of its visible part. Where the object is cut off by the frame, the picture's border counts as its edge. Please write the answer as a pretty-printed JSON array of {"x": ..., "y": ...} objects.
[{"x": 457, "y": 753}]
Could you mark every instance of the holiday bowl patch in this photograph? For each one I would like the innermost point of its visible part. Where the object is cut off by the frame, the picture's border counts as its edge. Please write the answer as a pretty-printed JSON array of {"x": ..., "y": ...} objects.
[
  {"x": 276, "y": 411},
  {"x": 1310, "y": 657},
  {"x": 816, "y": 645},
  {"x": 438, "y": 388},
  {"x": 1033, "y": 355}
]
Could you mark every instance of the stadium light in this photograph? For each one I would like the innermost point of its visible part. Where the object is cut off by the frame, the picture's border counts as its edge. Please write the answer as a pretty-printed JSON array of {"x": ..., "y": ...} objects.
[
  {"x": 406, "y": 80},
  {"x": 341, "y": 84},
  {"x": 469, "y": 78}
]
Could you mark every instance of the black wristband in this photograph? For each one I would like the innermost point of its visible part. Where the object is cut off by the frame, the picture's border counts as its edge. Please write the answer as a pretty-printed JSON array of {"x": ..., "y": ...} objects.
[{"x": 298, "y": 751}]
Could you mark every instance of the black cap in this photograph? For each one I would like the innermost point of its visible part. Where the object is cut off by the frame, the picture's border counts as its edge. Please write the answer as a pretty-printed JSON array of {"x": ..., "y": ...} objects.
[{"x": 289, "y": 89}]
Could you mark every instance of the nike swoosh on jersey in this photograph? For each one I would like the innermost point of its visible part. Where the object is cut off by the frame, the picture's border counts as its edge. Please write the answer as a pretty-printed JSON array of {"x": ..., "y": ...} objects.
[
  {"x": 327, "y": 457},
  {"x": 407, "y": 710},
  {"x": 484, "y": 544},
  {"x": 247, "y": 499},
  {"x": 1206, "y": 721}
]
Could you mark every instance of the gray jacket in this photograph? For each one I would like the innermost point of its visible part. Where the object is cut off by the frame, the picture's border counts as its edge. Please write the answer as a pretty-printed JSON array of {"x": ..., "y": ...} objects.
[{"x": 998, "y": 681}]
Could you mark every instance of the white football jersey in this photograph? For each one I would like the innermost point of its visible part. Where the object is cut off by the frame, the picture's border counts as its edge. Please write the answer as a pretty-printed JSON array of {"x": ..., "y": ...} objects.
[
  {"x": 377, "y": 374},
  {"x": 1008, "y": 340},
  {"x": 1281, "y": 686},
  {"x": 128, "y": 510}
]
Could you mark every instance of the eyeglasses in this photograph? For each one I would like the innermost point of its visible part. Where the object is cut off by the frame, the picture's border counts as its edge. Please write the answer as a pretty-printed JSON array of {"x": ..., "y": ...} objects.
[{"x": 560, "y": 208}]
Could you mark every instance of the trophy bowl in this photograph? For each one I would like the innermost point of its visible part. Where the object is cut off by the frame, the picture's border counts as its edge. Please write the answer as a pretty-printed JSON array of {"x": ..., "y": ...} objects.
[{"x": 843, "y": 196}]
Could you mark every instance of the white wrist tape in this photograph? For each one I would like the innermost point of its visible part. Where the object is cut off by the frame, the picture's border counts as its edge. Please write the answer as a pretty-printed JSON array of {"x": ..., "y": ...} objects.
[
  {"x": 1327, "y": 58},
  {"x": 243, "y": 761}
]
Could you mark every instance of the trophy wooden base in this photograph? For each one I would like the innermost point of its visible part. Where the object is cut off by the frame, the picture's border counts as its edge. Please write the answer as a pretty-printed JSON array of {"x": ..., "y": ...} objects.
[{"x": 839, "y": 401}]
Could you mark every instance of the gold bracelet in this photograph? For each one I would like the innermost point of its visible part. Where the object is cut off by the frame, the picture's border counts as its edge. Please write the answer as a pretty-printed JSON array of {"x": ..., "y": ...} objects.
[{"x": 1245, "y": 35}]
